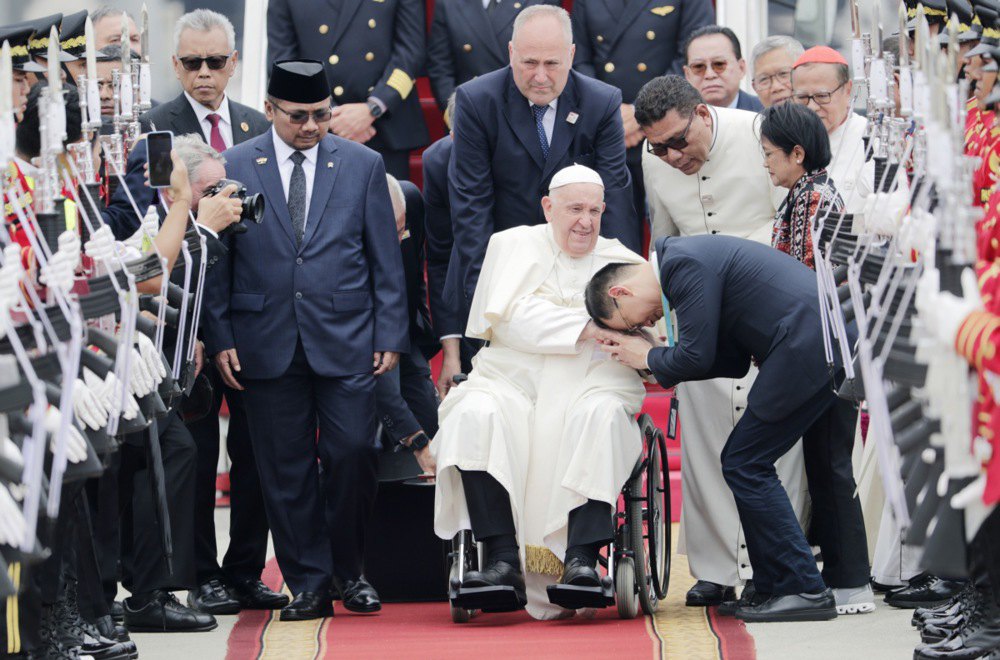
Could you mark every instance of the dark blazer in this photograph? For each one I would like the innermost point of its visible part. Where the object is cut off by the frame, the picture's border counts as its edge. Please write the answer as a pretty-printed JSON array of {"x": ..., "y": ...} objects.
[
  {"x": 176, "y": 116},
  {"x": 412, "y": 249},
  {"x": 749, "y": 102},
  {"x": 341, "y": 293},
  {"x": 444, "y": 315},
  {"x": 467, "y": 41},
  {"x": 369, "y": 48},
  {"x": 497, "y": 175},
  {"x": 627, "y": 44},
  {"x": 737, "y": 300}
]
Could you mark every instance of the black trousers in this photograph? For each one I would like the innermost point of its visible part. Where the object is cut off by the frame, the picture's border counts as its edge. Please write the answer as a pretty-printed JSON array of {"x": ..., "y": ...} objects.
[
  {"x": 782, "y": 561},
  {"x": 143, "y": 564},
  {"x": 633, "y": 160},
  {"x": 319, "y": 494},
  {"x": 490, "y": 513},
  {"x": 105, "y": 510},
  {"x": 247, "y": 550}
]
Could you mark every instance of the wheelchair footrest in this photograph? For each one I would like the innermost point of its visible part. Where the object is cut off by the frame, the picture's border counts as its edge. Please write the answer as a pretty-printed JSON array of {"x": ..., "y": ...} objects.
[
  {"x": 572, "y": 597},
  {"x": 489, "y": 599}
]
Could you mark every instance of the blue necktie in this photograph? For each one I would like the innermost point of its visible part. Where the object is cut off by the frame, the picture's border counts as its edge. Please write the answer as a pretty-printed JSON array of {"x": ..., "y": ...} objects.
[
  {"x": 539, "y": 112},
  {"x": 297, "y": 197}
]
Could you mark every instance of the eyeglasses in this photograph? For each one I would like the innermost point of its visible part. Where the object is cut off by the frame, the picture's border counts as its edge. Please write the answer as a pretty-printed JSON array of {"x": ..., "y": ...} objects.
[
  {"x": 676, "y": 143},
  {"x": 302, "y": 116},
  {"x": 214, "y": 62},
  {"x": 821, "y": 98},
  {"x": 699, "y": 69},
  {"x": 630, "y": 328},
  {"x": 764, "y": 81}
]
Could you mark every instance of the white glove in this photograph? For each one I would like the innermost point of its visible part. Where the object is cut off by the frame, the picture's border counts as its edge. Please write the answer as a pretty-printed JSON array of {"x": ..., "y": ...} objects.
[
  {"x": 11, "y": 451},
  {"x": 59, "y": 272},
  {"x": 884, "y": 212},
  {"x": 12, "y": 524},
  {"x": 76, "y": 444},
  {"x": 140, "y": 379},
  {"x": 90, "y": 410},
  {"x": 942, "y": 313},
  {"x": 101, "y": 245},
  {"x": 154, "y": 362},
  {"x": 917, "y": 232},
  {"x": 69, "y": 245},
  {"x": 109, "y": 391}
]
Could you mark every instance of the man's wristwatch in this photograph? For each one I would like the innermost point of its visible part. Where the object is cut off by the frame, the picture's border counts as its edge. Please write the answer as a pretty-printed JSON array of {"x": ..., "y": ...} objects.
[
  {"x": 419, "y": 441},
  {"x": 374, "y": 108}
]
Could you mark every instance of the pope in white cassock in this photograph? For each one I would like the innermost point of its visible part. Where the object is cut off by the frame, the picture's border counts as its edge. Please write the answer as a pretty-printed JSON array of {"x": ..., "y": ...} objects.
[{"x": 535, "y": 447}]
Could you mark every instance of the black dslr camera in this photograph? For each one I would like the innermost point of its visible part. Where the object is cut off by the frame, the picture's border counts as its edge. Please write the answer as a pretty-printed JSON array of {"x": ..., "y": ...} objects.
[{"x": 253, "y": 205}]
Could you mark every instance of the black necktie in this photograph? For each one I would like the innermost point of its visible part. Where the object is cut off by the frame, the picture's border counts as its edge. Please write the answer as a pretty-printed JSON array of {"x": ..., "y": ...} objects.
[
  {"x": 297, "y": 197},
  {"x": 491, "y": 6},
  {"x": 539, "y": 112}
]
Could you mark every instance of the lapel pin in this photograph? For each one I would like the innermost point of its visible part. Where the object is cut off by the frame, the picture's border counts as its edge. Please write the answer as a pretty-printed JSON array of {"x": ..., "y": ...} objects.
[
  {"x": 245, "y": 126},
  {"x": 261, "y": 161},
  {"x": 572, "y": 117},
  {"x": 329, "y": 165}
]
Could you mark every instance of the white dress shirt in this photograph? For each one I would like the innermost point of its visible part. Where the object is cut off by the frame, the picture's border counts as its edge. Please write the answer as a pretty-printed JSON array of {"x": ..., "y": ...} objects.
[
  {"x": 548, "y": 119},
  {"x": 225, "y": 123},
  {"x": 285, "y": 166}
]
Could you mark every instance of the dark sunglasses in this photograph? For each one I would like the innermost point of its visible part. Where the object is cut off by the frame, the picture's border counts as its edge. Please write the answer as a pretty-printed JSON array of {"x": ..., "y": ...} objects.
[
  {"x": 660, "y": 149},
  {"x": 302, "y": 116},
  {"x": 214, "y": 62},
  {"x": 699, "y": 69}
]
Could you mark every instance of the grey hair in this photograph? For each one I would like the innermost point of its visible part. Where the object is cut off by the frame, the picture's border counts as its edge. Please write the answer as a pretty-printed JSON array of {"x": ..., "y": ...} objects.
[
  {"x": 774, "y": 42},
  {"x": 204, "y": 20},
  {"x": 558, "y": 13},
  {"x": 193, "y": 151},
  {"x": 449, "y": 111},
  {"x": 396, "y": 195},
  {"x": 107, "y": 11}
]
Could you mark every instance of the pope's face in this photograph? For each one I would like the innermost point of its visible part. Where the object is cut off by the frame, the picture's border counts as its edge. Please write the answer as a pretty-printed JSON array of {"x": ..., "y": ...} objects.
[
  {"x": 540, "y": 59},
  {"x": 574, "y": 211}
]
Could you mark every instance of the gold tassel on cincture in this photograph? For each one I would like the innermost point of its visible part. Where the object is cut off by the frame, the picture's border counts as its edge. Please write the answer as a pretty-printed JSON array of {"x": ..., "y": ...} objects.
[{"x": 540, "y": 559}]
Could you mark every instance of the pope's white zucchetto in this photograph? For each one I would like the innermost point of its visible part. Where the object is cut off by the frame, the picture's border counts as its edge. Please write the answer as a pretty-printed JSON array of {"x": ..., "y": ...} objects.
[{"x": 575, "y": 174}]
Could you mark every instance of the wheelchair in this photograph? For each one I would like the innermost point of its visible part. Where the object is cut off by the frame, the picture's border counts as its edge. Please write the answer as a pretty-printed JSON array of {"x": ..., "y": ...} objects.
[{"x": 636, "y": 564}]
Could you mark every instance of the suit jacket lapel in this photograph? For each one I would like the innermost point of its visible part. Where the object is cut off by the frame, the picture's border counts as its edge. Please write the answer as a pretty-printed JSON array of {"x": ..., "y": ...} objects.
[
  {"x": 347, "y": 10},
  {"x": 239, "y": 119},
  {"x": 270, "y": 181},
  {"x": 632, "y": 9},
  {"x": 475, "y": 16},
  {"x": 563, "y": 131},
  {"x": 185, "y": 121},
  {"x": 327, "y": 167},
  {"x": 522, "y": 122}
]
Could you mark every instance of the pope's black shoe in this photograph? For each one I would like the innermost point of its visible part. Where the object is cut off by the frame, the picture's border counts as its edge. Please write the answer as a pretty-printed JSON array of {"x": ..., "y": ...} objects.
[
  {"x": 308, "y": 605},
  {"x": 499, "y": 587},
  {"x": 705, "y": 593},
  {"x": 360, "y": 596},
  {"x": 748, "y": 597},
  {"x": 255, "y": 595},
  {"x": 925, "y": 590},
  {"x": 160, "y": 611},
  {"x": 212, "y": 597},
  {"x": 795, "y": 607},
  {"x": 578, "y": 573}
]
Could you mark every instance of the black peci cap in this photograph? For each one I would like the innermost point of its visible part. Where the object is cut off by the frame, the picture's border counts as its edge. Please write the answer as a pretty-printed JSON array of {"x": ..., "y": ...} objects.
[{"x": 299, "y": 81}]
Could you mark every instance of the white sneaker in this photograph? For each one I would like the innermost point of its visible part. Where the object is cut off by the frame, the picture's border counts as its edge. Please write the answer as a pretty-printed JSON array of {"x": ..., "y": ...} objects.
[{"x": 856, "y": 600}]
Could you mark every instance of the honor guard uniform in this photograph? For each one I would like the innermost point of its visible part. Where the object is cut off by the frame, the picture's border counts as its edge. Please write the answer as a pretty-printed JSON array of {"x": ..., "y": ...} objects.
[
  {"x": 73, "y": 43},
  {"x": 627, "y": 44},
  {"x": 372, "y": 51},
  {"x": 469, "y": 38}
]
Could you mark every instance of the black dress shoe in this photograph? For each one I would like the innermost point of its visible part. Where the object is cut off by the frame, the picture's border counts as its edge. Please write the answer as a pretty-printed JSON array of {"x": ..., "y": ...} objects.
[
  {"x": 106, "y": 626},
  {"x": 161, "y": 612},
  {"x": 496, "y": 574},
  {"x": 924, "y": 590},
  {"x": 213, "y": 597},
  {"x": 795, "y": 607},
  {"x": 748, "y": 597},
  {"x": 308, "y": 605},
  {"x": 968, "y": 597},
  {"x": 254, "y": 595},
  {"x": 359, "y": 596},
  {"x": 978, "y": 644},
  {"x": 880, "y": 588},
  {"x": 579, "y": 573},
  {"x": 117, "y": 611},
  {"x": 705, "y": 593}
]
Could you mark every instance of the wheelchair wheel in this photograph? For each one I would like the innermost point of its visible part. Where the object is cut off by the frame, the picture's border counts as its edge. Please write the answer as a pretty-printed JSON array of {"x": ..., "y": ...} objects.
[
  {"x": 463, "y": 551},
  {"x": 658, "y": 515},
  {"x": 626, "y": 599},
  {"x": 640, "y": 517}
]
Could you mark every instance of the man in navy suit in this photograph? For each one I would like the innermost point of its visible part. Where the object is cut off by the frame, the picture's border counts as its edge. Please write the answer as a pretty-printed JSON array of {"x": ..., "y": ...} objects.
[
  {"x": 516, "y": 127},
  {"x": 738, "y": 301},
  {"x": 715, "y": 66},
  {"x": 309, "y": 308}
]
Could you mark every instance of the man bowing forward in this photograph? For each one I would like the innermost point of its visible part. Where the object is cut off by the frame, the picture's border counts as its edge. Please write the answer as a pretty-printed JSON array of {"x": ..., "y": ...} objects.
[{"x": 308, "y": 309}]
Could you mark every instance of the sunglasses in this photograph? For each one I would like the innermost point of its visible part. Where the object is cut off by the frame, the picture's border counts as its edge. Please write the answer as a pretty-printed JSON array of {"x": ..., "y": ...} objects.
[
  {"x": 821, "y": 98},
  {"x": 214, "y": 62},
  {"x": 302, "y": 116},
  {"x": 661, "y": 149},
  {"x": 699, "y": 69}
]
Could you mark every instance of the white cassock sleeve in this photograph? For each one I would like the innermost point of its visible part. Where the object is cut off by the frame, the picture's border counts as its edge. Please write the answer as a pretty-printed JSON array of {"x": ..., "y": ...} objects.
[{"x": 537, "y": 325}]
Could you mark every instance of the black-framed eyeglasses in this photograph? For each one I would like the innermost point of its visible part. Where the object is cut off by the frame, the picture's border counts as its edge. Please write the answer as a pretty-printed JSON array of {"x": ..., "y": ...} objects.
[
  {"x": 764, "y": 81},
  {"x": 821, "y": 98},
  {"x": 302, "y": 116},
  {"x": 676, "y": 143},
  {"x": 630, "y": 328},
  {"x": 214, "y": 62}
]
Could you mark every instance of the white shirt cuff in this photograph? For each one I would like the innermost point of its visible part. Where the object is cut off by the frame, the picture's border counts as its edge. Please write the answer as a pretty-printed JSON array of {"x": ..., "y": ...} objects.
[
  {"x": 206, "y": 229},
  {"x": 451, "y": 337}
]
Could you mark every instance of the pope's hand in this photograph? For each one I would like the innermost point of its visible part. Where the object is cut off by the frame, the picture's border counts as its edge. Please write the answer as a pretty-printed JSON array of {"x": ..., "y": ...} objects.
[
  {"x": 384, "y": 362},
  {"x": 629, "y": 350},
  {"x": 228, "y": 363},
  {"x": 426, "y": 461},
  {"x": 451, "y": 366}
]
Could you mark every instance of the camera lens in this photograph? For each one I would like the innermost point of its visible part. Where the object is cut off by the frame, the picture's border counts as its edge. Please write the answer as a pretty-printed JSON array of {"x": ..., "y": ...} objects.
[{"x": 253, "y": 208}]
